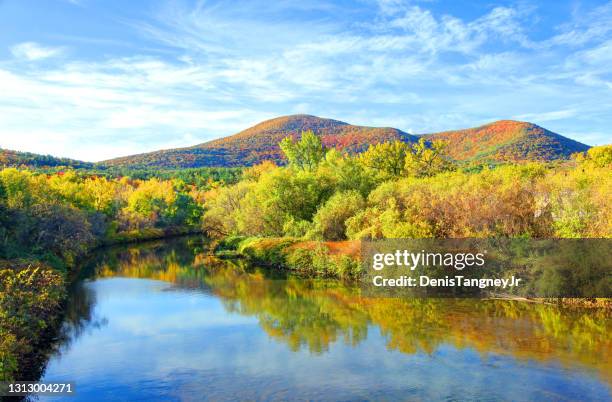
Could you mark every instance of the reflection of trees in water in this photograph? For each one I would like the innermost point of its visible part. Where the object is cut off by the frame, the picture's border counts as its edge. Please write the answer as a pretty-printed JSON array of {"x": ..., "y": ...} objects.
[
  {"x": 313, "y": 314},
  {"x": 79, "y": 318},
  {"x": 164, "y": 260},
  {"x": 298, "y": 312}
]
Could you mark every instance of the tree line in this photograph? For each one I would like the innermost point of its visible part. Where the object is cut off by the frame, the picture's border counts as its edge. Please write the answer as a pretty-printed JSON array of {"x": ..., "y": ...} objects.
[{"x": 398, "y": 190}]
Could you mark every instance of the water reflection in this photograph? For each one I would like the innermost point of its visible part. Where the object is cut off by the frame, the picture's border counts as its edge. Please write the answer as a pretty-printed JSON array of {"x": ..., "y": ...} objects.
[{"x": 321, "y": 317}]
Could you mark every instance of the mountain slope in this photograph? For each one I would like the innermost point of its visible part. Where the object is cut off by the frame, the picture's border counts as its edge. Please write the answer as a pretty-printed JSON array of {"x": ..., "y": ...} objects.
[
  {"x": 508, "y": 140},
  {"x": 260, "y": 142},
  {"x": 504, "y": 140},
  {"x": 17, "y": 158}
]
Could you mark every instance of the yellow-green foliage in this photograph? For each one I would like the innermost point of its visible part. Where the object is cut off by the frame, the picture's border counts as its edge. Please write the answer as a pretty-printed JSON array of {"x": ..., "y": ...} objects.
[
  {"x": 30, "y": 300},
  {"x": 264, "y": 205},
  {"x": 304, "y": 154},
  {"x": 60, "y": 216},
  {"x": 388, "y": 159},
  {"x": 427, "y": 200},
  {"x": 396, "y": 159},
  {"x": 596, "y": 157},
  {"x": 427, "y": 160},
  {"x": 330, "y": 219},
  {"x": 579, "y": 200},
  {"x": 304, "y": 257}
]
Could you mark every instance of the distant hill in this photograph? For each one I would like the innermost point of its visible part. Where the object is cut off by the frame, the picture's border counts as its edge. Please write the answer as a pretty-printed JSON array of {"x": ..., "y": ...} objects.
[
  {"x": 504, "y": 140},
  {"x": 260, "y": 143},
  {"x": 17, "y": 158},
  {"x": 508, "y": 140}
]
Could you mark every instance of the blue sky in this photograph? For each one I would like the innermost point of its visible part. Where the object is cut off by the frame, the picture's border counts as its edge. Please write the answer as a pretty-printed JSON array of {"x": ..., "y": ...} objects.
[{"x": 95, "y": 79}]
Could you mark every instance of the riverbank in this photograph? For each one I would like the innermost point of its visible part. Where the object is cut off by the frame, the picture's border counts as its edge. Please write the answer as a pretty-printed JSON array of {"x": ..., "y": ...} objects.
[
  {"x": 312, "y": 258},
  {"x": 32, "y": 295},
  {"x": 342, "y": 260}
]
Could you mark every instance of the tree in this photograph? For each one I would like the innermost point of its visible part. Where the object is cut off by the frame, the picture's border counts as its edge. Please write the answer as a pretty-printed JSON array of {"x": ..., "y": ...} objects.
[
  {"x": 348, "y": 173},
  {"x": 305, "y": 154},
  {"x": 61, "y": 230},
  {"x": 330, "y": 219},
  {"x": 596, "y": 156},
  {"x": 427, "y": 160},
  {"x": 16, "y": 188},
  {"x": 221, "y": 206},
  {"x": 387, "y": 158},
  {"x": 152, "y": 198}
]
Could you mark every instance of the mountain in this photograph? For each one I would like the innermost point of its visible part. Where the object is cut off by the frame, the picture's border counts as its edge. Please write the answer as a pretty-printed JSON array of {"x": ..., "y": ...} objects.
[
  {"x": 508, "y": 140},
  {"x": 504, "y": 140},
  {"x": 260, "y": 142},
  {"x": 17, "y": 158}
]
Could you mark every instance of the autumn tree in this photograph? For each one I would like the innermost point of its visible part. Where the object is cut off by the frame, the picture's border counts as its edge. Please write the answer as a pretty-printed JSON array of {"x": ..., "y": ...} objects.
[
  {"x": 388, "y": 158},
  {"x": 330, "y": 219},
  {"x": 426, "y": 160},
  {"x": 305, "y": 154},
  {"x": 348, "y": 173},
  {"x": 596, "y": 156}
]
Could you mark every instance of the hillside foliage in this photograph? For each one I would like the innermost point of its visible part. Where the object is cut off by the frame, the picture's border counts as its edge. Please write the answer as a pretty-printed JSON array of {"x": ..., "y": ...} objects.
[
  {"x": 502, "y": 141},
  {"x": 507, "y": 141},
  {"x": 10, "y": 158}
]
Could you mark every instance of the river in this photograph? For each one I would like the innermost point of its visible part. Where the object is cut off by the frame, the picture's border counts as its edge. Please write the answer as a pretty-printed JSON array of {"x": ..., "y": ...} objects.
[{"x": 165, "y": 321}]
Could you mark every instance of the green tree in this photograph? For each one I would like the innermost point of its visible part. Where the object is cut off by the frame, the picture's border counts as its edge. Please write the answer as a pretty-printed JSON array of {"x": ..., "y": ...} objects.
[
  {"x": 279, "y": 196},
  {"x": 388, "y": 158},
  {"x": 305, "y": 154},
  {"x": 348, "y": 173},
  {"x": 426, "y": 160},
  {"x": 330, "y": 219}
]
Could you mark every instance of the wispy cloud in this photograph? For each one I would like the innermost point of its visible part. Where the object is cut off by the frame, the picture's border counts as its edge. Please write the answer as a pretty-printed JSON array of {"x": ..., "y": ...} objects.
[
  {"x": 128, "y": 105},
  {"x": 34, "y": 51},
  {"x": 585, "y": 26}
]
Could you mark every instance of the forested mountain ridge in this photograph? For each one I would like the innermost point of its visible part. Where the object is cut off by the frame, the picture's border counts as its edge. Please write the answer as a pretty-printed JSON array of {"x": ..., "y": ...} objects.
[
  {"x": 260, "y": 142},
  {"x": 17, "y": 158},
  {"x": 508, "y": 140},
  {"x": 504, "y": 140},
  {"x": 500, "y": 141}
]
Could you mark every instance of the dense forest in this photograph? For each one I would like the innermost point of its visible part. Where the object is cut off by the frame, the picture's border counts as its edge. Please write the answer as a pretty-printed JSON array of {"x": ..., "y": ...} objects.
[
  {"x": 302, "y": 214},
  {"x": 16, "y": 158}
]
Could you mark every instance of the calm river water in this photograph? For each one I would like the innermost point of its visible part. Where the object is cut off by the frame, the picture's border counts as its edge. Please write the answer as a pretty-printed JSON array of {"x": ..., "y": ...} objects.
[{"x": 164, "y": 321}]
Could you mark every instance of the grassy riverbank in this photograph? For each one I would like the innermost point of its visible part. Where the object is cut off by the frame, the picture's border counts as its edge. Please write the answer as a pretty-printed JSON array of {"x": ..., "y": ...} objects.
[
  {"x": 322, "y": 259},
  {"x": 342, "y": 260}
]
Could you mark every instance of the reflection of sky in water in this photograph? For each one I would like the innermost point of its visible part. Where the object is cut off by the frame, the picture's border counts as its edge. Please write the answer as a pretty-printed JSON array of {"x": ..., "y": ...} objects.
[{"x": 164, "y": 343}]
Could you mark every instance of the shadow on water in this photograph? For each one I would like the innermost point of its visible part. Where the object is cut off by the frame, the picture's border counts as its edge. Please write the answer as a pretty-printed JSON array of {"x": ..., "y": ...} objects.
[{"x": 310, "y": 315}]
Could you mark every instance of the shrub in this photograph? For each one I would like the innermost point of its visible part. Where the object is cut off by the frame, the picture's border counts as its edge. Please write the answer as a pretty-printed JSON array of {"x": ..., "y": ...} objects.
[
  {"x": 30, "y": 300},
  {"x": 330, "y": 219}
]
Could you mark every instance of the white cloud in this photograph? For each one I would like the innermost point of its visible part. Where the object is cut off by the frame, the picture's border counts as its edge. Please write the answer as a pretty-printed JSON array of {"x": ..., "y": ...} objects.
[
  {"x": 96, "y": 111},
  {"x": 586, "y": 27},
  {"x": 34, "y": 51}
]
